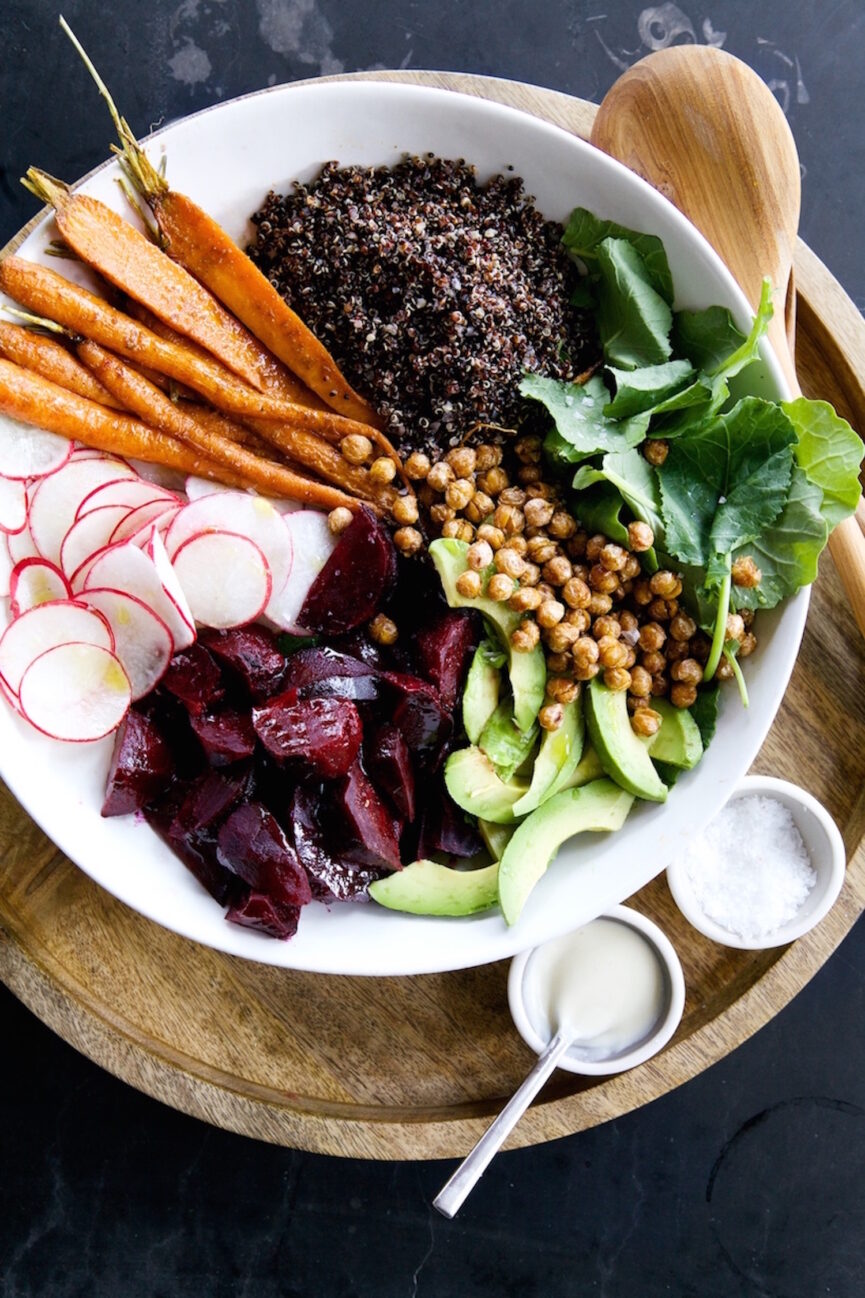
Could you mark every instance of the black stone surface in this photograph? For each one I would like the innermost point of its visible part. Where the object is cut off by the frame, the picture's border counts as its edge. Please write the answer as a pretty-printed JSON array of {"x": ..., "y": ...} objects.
[{"x": 748, "y": 1182}]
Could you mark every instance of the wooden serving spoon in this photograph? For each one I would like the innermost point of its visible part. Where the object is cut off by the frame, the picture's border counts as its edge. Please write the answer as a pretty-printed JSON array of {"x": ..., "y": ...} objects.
[{"x": 703, "y": 129}]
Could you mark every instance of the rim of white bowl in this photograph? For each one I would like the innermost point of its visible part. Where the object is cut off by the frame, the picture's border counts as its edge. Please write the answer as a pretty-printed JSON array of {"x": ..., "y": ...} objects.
[
  {"x": 831, "y": 871},
  {"x": 649, "y": 1046}
]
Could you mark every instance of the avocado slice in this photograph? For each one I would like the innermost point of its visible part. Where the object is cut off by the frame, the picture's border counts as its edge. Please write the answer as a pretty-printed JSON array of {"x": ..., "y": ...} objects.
[
  {"x": 473, "y": 784},
  {"x": 588, "y": 768},
  {"x": 677, "y": 741},
  {"x": 504, "y": 743},
  {"x": 496, "y": 837},
  {"x": 623, "y": 755},
  {"x": 527, "y": 671},
  {"x": 600, "y": 805},
  {"x": 481, "y": 692},
  {"x": 427, "y": 888},
  {"x": 557, "y": 759}
]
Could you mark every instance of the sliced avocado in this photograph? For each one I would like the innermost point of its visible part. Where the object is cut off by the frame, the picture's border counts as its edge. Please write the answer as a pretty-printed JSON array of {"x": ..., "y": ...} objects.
[
  {"x": 588, "y": 768},
  {"x": 481, "y": 692},
  {"x": 496, "y": 837},
  {"x": 473, "y": 784},
  {"x": 504, "y": 743},
  {"x": 427, "y": 888},
  {"x": 623, "y": 755},
  {"x": 557, "y": 759},
  {"x": 527, "y": 671},
  {"x": 601, "y": 805},
  {"x": 678, "y": 741}
]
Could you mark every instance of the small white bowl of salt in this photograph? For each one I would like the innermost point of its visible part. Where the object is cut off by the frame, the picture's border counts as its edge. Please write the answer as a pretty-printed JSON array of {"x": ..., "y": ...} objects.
[{"x": 764, "y": 871}]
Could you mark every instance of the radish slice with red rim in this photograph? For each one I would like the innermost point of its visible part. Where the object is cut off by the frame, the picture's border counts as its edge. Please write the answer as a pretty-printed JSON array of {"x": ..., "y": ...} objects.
[
  {"x": 195, "y": 488},
  {"x": 125, "y": 567},
  {"x": 313, "y": 544},
  {"x": 34, "y": 582},
  {"x": 142, "y": 534},
  {"x": 45, "y": 626},
  {"x": 156, "y": 552},
  {"x": 27, "y": 452},
  {"x": 6, "y": 568},
  {"x": 245, "y": 515},
  {"x": 13, "y": 505},
  {"x": 75, "y": 691},
  {"x": 89, "y": 534},
  {"x": 138, "y": 519},
  {"x": 225, "y": 577},
  {"x": 130, "y": 492},
  {"x": 54, "y": 504},
  {"x": 142, "y": 641},
  {"x": 20, "y": 546}
]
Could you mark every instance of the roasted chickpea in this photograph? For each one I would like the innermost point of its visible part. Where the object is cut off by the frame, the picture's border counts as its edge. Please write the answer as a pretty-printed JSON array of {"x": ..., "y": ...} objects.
[
  {"x": 382, "y": 630},
  {"x": 407, "y": 540},
  {"x": 646, "y": 722},
  {"x": 338, "y": 519},
  {"x": 551, "y": 716},
  {"x": 550, "y": 612},
  {"x": 469, "y": 584},
  {"x": 459, "y": 493},
  {"x": 417, "y": 466},
  {"x": 683, "y": 696},
  {"x": 440, "y": 476},
  {"x": 479, "y": 555},
  {"x": 640, "y": 536},
  {"x": 617, "y": 678},
  {"x": 382, "y": 470},
  {"x": 526, "y": 636},
  {"x": 500, "y": 587},
  {"x": 656, "y": 450},
  {"x": 487, "y": 457},
  {"x": 356, "y": 448},
  {"x": 463, "y": 460},
  {"x": 405, "y": 510},
  {"x": 524, "y": 600}
]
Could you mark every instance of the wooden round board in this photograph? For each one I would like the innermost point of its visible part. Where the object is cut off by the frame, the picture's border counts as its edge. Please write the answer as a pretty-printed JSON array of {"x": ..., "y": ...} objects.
[{"x": 416, "y": 1067}]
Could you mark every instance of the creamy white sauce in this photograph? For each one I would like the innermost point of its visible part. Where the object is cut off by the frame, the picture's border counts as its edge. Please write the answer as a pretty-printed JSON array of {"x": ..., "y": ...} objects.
[{"x": 606, "y": 981}]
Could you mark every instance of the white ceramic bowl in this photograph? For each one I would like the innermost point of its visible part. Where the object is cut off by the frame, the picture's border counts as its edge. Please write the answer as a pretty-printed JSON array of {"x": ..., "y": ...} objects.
[
  {"x": 825, "y": 847},
  {"x": 528, "y": 1015},
  {"x": 227, "y": 158}
]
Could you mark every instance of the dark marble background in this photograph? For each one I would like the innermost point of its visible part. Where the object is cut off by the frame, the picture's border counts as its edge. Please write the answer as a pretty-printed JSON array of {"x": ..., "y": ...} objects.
[{"x": 748, "y": 1182}]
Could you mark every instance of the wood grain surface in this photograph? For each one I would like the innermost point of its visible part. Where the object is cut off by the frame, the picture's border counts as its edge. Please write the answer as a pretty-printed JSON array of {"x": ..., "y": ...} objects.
[{"x": 415, "y": 1067}]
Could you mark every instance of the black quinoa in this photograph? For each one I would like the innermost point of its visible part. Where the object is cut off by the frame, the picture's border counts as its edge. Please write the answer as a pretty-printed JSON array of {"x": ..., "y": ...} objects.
[{"x": 433, "y": 293}]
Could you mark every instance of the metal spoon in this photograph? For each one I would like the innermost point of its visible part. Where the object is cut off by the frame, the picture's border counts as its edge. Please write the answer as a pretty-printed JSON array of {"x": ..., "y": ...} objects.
[
  {"x": 451, "y": 1197},
  {"x": 700, "y": 126}
]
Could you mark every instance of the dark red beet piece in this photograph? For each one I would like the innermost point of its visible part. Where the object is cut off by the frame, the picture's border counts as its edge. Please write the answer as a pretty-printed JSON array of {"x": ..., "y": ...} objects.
[
  {"x": 266, "y": 915},
  {"x": 211, "y": 797},
  {"x": 197, "y": 850},
  {"x": 389, "y": 763},
  {"x": 324, "y": 734},
  {"x": 225, "y": 736},
  {"x": 358, "y": 644},
  {"x": 253, "y": 845},
  {"x": 444, "y": 828},
  {"x": 355, "y": 580},
  {"x": 331, "y": 878},
  {"x": 373, "y": 837},
  {"x": 443, "y": 649},
  {"x": 419, "y": 715},
  {"x": 141, "y": 766},
  {"x": 310, "y": 666},
  {"x": 253, "y": 654},
  {"x": 194, "y": 677}
]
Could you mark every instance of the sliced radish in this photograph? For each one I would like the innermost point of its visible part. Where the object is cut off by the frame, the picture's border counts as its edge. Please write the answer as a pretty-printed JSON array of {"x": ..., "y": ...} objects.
[
  {"x": 197, "y": 487},
  {"x": 143, "y": 642},
  {"x": 27, "y": 452},
  {"x": 6, "y": 567},
  {"x": 13, "y": 505},
  {"x": 55, "y": 501},
  {"x": 44, "y": 627},
  {"x": 130, "y": 492},
  {"x": 20, "y": 546},
  {"x": 225, "y": 578},
  {"x": 137, "y": 520},
  {"x": 313, "y": 545},
  {"x": 81, "y": 452},
  {"x": 158, "y": 555},
  {"x": 36, "y": 581},
  {"x": 89, "y": 534},
  {"x": 141, "y": 536},
  {"x": 126, "y": 568},
  {"x": 249, "y": 516},
  {"x": 78, "y": 692}
]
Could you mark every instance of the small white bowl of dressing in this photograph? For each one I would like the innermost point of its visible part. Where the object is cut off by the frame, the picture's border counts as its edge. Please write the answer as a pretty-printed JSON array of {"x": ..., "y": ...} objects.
[
  {"x": 617, "y": 981},
  {"x": 824, "y": 850}
]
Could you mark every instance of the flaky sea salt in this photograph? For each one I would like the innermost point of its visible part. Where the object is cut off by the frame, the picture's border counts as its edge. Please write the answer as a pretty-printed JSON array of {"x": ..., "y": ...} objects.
[{"x": 749, "y": 869}]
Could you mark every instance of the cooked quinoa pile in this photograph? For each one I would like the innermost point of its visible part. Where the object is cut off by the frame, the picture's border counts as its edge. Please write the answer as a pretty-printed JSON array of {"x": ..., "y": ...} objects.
[{"x": 434, "y": 293}]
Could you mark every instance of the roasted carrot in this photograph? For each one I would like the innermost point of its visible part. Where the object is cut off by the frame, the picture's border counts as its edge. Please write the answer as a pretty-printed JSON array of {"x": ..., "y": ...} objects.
[
  {"x": 213, "y": 421},
  {"x": 35, "y": 400},
  {"x": 146, "y": 401},
  {"x": 130, "y": 261},
  {"x": 45, "y": 292},
  {"x": 51, "y": 359},
  {"x": 195, "y": 240}
]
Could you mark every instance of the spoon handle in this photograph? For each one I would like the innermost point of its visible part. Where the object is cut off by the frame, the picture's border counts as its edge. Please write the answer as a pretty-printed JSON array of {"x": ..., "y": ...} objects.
[{"x": 452, "y": 1195}]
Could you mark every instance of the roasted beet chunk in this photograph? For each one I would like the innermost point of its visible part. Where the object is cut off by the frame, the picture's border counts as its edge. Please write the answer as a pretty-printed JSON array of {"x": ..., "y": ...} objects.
[
  {"x": 443, "y": 649},
  {"x": 194, "y": 677},
  {"x": 211, "y": 797},
  {"x": 444, "y": 828},
  {"x": 328, "y": 673},
  {"x": 252, "y": 845},
  {"x": 225, "y": 736},
  {"x": 324, "y": 734},
  {"x": 419, "y": 715},
  {"x": 252, "y": 653},
  {"x": 263, "y": 913},
  {"x": 195, "y": 848},
  {"x": 140, "y": 768},
  {"x": 330, "y": 877},
  {"x": 389, "y": 763},
  {"x": 372, "y": 835},
  {"x": 356, "y": 578}
]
